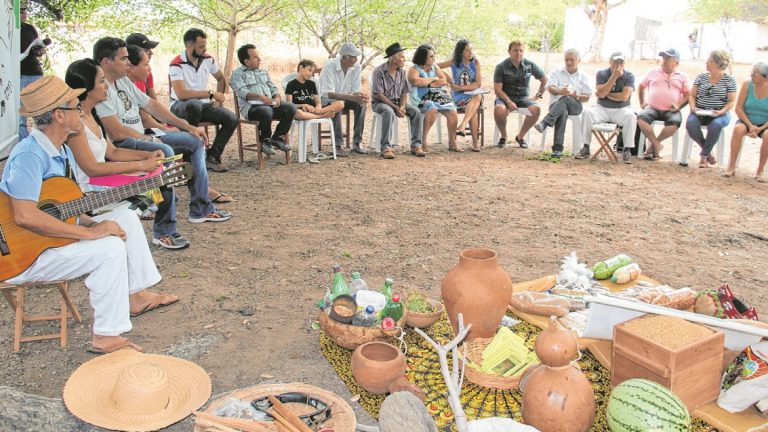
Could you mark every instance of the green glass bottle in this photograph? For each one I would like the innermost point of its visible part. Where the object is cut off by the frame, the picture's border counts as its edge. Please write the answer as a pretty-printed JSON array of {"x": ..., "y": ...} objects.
[
  {"x": 339, "y": 285},
  {"x": 387, "y": 289},
  {"x": 395, "y": 308}
]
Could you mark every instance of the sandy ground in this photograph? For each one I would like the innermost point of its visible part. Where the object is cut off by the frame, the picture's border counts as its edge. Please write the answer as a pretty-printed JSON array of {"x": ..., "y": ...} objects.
[{"x": 248, "y": 286}]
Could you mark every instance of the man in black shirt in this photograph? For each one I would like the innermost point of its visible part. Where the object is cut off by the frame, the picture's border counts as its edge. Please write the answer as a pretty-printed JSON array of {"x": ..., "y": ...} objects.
[{"x": 32, "y": 48}]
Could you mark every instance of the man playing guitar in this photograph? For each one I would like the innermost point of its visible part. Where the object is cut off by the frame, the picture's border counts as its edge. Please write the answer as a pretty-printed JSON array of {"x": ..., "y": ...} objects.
[{"x": 111, "y": 248}]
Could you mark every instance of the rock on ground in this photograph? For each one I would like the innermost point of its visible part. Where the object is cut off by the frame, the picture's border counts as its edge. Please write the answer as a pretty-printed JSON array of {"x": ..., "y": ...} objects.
[{"x": 402, "y": 411}]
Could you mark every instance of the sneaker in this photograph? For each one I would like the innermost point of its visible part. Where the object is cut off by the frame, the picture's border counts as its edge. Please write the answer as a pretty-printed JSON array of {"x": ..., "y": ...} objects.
[
  {"x": 627, "y": 156},
  {"x": 266, "y": 146},
  {"x": 215, "y": 164},
  {"x": 215, "y": 216},
  {"x": 359, "y": 150},
  {"x": 281, "y": 144},
  {"x": 173, "y": 241},
  {"x": 583, "y": 153},
  {"x": 502, "y": 142},
  {"x": 521, "y": 143},
  {"x": 540, "y": 127},
  {"x": 556, "y": 154}
]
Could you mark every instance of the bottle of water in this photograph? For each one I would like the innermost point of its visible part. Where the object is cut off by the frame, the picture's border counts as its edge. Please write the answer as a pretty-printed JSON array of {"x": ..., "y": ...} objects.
[
  {"x": 365, "y": 318},
  {"x": 339, "y": 286},
  {"x": 357, "y": 284}
]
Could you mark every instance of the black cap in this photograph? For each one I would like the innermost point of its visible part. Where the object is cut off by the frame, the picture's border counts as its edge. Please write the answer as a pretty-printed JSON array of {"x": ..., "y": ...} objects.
[
  {"x": 393, "y": 49},
  {"x": 140, "y": 40}
]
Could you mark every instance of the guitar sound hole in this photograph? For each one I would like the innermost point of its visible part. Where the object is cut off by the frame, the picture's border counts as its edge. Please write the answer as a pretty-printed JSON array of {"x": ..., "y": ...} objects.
[{"x": 51, "y": 209}]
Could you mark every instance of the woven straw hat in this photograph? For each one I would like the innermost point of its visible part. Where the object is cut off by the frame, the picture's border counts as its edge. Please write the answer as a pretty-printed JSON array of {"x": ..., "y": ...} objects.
[
  {"x": 129, "y": 390},
  {"x": 46, "y": 94}
]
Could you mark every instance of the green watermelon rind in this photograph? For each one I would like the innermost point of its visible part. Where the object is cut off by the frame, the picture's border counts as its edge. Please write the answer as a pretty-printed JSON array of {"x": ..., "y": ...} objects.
[{"x": 666, "y": 408}]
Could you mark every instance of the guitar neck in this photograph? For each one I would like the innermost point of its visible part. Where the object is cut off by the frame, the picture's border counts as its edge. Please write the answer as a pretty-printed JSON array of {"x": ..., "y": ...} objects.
[{"x": 109, "y": 196}]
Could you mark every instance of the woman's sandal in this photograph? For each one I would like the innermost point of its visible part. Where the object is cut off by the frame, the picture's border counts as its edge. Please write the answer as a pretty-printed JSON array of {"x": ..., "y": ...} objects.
[
  {"x": 222, "y": 198},
  {"x": 456, "y": 149},
  {"x": 460, "y": 133}
]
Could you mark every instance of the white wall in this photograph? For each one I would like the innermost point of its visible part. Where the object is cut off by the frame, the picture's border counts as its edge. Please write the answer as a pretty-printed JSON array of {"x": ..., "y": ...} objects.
[{"x": 9, "y": 76}]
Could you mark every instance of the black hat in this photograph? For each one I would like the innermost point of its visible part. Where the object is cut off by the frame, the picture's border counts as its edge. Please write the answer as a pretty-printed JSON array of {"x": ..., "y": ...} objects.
[
  {"x": 393, "y": 49},
  {"x": 140, "y": 40}
]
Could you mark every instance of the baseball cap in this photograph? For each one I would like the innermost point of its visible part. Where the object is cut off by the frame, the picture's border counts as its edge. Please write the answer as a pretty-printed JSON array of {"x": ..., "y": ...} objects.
[
  {"x": 141, "y": 40},
  {"x": 617, "y": 56},
  {"x": 349, "y": 49},
  {"x": 670, "y": 53}
]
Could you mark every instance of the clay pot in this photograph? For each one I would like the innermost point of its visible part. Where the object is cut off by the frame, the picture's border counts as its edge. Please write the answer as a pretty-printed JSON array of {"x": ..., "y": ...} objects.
[
  {"x": 557, "y": 398},
  {"x": 379, "y": 368},
  {"x": 480, "y": 290}
]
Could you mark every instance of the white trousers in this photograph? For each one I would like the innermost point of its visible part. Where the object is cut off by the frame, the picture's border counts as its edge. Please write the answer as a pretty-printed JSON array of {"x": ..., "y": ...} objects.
[
  {"x": 624, "y": 117},
  {"x": 115, "y": 269}
]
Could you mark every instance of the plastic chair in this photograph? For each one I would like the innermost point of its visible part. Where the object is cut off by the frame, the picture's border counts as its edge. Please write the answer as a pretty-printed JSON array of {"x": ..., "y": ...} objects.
[
  {"x": 376, "y": 125},
  {"x": 17, "y": 302},
  {"x": 576, "y": 120},
  {"x": 642, "y": 143},
  {"x": 315, "y": 128},
  {"x": 520, "y": 119},
  {"x": 688, "y": 146},
  {"x": 480, "y": 124}
]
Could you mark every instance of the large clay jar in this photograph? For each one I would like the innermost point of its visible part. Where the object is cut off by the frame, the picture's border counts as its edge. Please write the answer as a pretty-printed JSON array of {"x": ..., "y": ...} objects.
[
  {"x": 478, "y": 289},
  {"x": 557, "y": 397},
  {"x": 379, "y": 368}
]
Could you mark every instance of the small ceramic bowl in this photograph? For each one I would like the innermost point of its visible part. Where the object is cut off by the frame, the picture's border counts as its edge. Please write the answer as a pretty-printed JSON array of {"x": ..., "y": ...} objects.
[
  {"x": 425, "y": 319},
  {"x": 343, "y": 309}
]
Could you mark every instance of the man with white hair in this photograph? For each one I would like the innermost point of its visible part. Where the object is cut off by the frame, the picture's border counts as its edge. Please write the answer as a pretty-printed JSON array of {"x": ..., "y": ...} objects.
[
  {"x": 568, "y": 88},
  {"x": 667, "y": 91},
  {"x": 613, "y": 90},
  {"x": 340, "y": 81}
]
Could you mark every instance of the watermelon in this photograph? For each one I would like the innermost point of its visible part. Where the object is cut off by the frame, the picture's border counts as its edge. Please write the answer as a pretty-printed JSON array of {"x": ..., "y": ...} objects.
[{"x": 639, "y": 405}]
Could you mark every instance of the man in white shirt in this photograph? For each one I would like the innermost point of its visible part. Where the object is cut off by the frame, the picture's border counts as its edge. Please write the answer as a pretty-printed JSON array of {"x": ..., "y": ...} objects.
[
  {"x": 340, "y": 81},
  {"x": 193, "y": 101},
  {"x": 568, "y": 89}
]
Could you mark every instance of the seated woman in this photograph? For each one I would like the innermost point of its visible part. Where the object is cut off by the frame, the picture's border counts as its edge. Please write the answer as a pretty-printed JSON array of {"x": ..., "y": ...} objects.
[
  {"x": 752, "y": 110},
  {"x": 303, "y": 93},
  {"x": 713, "y": 94},
  {"x": 91, "y": 149},
  {"x": 466, "y": 75},
  {"x": 427, "y": 81}
]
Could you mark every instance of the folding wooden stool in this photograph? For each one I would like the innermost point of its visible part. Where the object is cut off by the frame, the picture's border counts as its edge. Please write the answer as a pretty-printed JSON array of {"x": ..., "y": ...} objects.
[
  {"x": 68, "y": 310},
  {"x": 605, "y": 133}
]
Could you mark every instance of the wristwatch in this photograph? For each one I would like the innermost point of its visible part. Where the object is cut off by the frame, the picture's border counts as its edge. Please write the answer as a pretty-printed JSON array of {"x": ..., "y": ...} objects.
[
  {"x": 210, "y": 94},
  {"x": 539, "y": 94}
]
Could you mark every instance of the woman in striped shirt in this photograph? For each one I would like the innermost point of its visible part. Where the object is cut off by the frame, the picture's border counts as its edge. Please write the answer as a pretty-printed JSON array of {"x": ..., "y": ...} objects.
[
  {"x": 713, "y": 94},
  {"x": 752, "y": 109}
]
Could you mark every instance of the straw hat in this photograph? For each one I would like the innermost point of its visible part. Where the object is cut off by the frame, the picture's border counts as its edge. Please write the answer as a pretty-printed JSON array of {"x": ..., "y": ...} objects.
[
  {"x": 44, "y": 95},
  {"x": 129, "y": 390}
]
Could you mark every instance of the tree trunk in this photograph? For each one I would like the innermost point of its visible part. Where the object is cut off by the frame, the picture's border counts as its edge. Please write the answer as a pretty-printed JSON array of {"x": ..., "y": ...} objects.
[
  {"x": 230, "y": 58},
  {"x": 596, "y": 46}
]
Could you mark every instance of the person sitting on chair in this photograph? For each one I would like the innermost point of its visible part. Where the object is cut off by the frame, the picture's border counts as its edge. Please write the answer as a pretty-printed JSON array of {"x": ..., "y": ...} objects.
[
  {"x": 511, "y": 82},
  {"x": 613, "y": 90},
  {"x": 260, "y": 101},
  {"x": 568, "y": 88},
  {"x": 752, "y": 110},
  {"x": 340, "y": 81},
  {"x": 466, "y": 75},
  {"x": 302, "y": 92},
  {"x": 110, "y": 249}
]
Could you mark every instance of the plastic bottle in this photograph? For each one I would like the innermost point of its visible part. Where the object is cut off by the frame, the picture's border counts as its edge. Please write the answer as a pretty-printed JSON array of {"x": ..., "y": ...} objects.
[
  {"x": 366, "y": 317},
  {"x": 357, "y": 284},
  {"x": 339, "y": 286},
  {"x": 604, "y": 269},
  {"x": 625, "y": 274},
  {"x": 395, "y": 308}
]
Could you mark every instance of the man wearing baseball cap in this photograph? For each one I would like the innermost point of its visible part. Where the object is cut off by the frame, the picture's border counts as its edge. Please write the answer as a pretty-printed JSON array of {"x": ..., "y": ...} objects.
[
  {"x": 662, "y": 94},
  {"x": 147, "y": 87},
  {"x": 613, "y": 90},
  {"x": 340, "y": 81},
  {"x": 115, "y": 257}
]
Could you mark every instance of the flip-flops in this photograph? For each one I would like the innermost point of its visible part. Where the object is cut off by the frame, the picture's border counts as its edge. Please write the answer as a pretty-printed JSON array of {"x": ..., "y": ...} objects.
[
  {"x": 161, "y": 300},
  {"x": 115, "y": 346},
  {"x": 222, "y": 198}
]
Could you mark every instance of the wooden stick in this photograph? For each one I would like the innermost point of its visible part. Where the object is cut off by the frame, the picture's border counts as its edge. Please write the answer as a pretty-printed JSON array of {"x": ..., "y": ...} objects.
[
  {"x": 288, "y": 414},
  {"x": 282, "y": 421},
  {"x": 242, "y": 424}
]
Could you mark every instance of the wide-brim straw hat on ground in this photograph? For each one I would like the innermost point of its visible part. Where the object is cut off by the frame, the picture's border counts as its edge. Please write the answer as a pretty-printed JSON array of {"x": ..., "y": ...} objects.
[
  {"x": 45, "y": 94},
  {"x": 132, "y": 391}
]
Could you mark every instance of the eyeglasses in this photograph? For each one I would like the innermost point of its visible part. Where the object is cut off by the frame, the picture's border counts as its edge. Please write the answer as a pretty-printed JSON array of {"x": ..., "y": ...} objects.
[{"x": 77, "y": 107}]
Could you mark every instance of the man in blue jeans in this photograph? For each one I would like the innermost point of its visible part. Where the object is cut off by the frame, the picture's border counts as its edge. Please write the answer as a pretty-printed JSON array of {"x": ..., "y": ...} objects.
[{"x": 119, "y": 114}]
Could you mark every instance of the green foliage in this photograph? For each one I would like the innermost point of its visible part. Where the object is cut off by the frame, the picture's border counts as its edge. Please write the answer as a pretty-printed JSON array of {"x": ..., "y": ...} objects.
[
  {"x": 537, "y": 22},
  {"x": 743, "y": 10}
]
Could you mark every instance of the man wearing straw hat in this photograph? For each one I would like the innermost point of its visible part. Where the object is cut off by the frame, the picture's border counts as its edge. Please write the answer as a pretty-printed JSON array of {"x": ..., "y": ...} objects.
[{"x": 112, "y": 250}]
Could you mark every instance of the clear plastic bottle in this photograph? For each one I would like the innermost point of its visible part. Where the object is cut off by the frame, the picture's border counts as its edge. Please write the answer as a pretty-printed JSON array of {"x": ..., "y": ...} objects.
[
  {"x": 339, "y": 286},
  {"x": 625, "y": 274},
  {"x": 357, "y": 284},
  {"x": 366, "y": 317},
  {"x": 604, "y": 269}
]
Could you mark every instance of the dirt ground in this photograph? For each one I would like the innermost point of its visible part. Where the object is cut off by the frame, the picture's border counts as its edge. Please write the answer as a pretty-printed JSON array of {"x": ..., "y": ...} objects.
[{"x": 248, "y": 286}]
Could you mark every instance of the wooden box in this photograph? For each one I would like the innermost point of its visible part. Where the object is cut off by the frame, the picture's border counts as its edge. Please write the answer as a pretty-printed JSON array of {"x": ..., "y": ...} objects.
[{"x": 692, "y": 371}]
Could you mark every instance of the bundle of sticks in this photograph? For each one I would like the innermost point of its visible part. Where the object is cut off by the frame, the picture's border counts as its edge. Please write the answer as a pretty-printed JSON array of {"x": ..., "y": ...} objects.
[{"x": 285, "y": 421}]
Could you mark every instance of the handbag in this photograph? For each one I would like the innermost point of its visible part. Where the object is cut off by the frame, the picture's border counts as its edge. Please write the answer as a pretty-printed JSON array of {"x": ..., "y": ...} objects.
[{"x": 437, "y": 95}]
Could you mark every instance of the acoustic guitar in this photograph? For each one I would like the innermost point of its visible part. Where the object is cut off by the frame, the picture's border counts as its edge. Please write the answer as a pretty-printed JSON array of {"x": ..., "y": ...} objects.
[{"x": 62, "y": 198}]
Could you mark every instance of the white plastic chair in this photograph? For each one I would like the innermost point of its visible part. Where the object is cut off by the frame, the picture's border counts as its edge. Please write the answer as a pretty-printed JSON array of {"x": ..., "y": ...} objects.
[
  {"x": 300, "y": 127},
  {"x": 576, "y": 120},
  {"x": 520, "y": 119},
  {"x": 688, "y": 146},
  {"x": 643, "y": 140}
]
